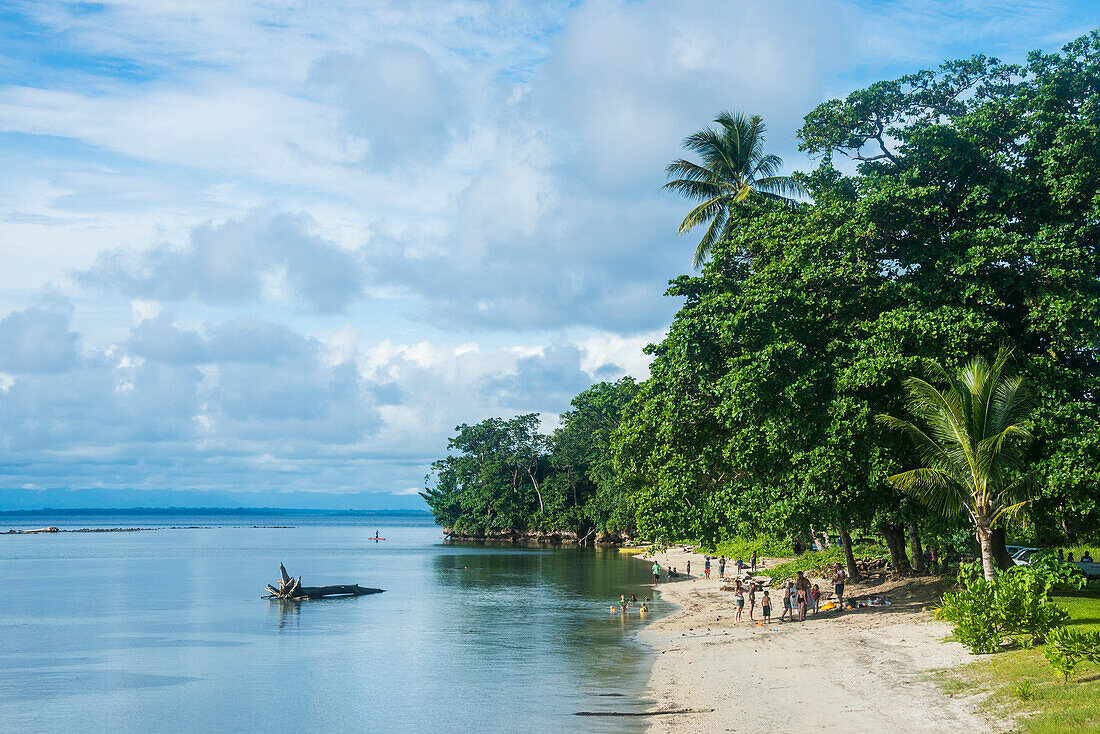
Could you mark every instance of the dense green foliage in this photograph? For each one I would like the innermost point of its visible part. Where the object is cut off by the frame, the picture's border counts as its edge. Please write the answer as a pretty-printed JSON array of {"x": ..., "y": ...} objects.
[
  {"x": 972, "y": 220},
  {"x": 743, "y": 548},
  {"x": 973, "y": 223},
  {"x": 503, "y": 475},
  {"x": 986, "y": 611}
]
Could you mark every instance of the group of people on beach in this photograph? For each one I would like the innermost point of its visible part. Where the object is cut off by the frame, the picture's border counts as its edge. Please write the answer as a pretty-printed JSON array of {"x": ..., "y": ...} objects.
[{"x": 798, "y": 596}]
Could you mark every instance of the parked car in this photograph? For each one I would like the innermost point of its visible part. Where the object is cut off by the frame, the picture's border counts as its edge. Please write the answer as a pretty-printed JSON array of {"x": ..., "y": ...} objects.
[
  {"x": 1022, "y": 557},
  {"x": 1090, "y": 567}
]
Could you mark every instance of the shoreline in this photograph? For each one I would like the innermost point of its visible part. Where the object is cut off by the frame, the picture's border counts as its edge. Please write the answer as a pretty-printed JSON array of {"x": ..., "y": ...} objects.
[{"x": 870, "y": 669}]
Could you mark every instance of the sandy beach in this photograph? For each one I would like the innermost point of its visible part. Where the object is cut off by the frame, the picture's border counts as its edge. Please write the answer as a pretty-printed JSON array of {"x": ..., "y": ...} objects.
[{"x": 866, "y": 670}]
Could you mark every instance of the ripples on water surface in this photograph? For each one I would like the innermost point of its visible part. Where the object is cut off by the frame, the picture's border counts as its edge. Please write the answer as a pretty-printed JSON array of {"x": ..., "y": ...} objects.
[{"x": 164, "y": 631}]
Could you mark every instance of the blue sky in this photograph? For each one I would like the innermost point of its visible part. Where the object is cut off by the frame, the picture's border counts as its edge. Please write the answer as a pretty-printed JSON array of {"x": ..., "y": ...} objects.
[{"x": 270, "y": 254}]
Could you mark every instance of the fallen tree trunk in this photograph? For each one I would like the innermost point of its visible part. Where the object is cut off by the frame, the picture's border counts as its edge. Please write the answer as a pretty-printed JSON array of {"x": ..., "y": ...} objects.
[
  {"x": 291, "y": 589},
  {"x": 662, "y": 712}
]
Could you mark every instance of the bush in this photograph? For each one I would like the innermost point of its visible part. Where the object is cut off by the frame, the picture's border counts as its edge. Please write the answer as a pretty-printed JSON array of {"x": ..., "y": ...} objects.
[
  {"x": 1066, "y": 648},
  {"x": 1014, "y": 605},
  {"x": 1052, "y": 573}
]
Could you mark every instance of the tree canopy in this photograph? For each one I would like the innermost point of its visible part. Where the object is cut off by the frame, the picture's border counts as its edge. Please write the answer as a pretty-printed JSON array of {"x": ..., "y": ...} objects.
[{"x": 971, "y": 219}]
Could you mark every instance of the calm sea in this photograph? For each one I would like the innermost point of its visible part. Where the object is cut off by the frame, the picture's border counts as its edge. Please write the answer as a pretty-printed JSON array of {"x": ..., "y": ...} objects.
[{"x": 165, "y": 630}]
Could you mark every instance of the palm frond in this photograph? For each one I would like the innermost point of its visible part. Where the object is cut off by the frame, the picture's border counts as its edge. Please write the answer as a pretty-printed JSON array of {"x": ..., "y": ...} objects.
[
  {"x": 784, "y": 186},
  {"x": 708, "y": 210},
  {"x": 712, "y": 235},
  {"x": 938, "y": 490},
  {"x": 696, "y": 190}
]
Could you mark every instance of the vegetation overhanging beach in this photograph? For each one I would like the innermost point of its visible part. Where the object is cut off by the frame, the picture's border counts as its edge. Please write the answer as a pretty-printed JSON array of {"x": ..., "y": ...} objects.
[{"x": 902, "y": 347}]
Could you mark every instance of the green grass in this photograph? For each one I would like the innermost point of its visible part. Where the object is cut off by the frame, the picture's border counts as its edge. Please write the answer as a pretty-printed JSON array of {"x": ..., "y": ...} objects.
[{"x": 1022, "y": 682}]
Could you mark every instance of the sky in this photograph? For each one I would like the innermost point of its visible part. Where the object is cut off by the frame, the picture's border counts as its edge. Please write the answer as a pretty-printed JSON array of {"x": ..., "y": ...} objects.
[{"x": 271, "y": 254}]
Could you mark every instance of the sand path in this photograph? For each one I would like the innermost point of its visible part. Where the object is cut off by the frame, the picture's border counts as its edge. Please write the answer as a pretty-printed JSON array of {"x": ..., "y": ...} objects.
[{"x": 868, "y": 670}]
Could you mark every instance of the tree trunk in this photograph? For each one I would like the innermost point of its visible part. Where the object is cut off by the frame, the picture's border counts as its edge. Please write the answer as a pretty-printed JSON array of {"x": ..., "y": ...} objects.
[
  {"x": 1000, "y": 553},
  {"x": 895, "y": 543},
  {"x": 849, "y": 557},
  {"x": 915, "y": 548},
  {"x": 985, "y": 542}
]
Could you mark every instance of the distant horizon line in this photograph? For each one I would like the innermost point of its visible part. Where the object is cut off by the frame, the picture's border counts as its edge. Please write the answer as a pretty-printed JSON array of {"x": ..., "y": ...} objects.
[{"x": 209, "y": 510}]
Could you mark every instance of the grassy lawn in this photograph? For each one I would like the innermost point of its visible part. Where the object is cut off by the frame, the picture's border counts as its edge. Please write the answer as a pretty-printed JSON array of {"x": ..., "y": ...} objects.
[{"x": 1022, "y": 682}]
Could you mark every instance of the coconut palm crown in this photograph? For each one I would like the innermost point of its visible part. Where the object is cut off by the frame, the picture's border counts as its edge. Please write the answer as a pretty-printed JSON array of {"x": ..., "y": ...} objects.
[
  {"x": 971, "y": 447},
  {"x": 734, "y": 165}
]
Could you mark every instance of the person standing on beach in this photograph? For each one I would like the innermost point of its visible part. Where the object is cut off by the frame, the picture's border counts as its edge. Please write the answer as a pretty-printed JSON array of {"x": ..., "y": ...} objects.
[
  {"x": 689, "y": 567},
  {"x": 752, "y": 599},
  {"x": 815, "y": 596},
  {"x": 787, "y": 601},
  {"x": 722, "y": 567},
  {"x": 754, "y": 561},
  {"x": 765, "y": 607},
  {"x": 739, "y": 594},
  {"x": 706, "y": 567},
  {"x": 802, "y": 595},
  {"x": 656, "y": 572},
  {"x": 838, "y": 586}
]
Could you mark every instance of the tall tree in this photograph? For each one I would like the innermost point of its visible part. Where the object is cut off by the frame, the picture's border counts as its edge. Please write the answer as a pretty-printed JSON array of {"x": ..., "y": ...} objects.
[
  {"x": 971, "y": 446},
  {"x": 734, "y": 166},
  {"x": 981, "y": 182}
]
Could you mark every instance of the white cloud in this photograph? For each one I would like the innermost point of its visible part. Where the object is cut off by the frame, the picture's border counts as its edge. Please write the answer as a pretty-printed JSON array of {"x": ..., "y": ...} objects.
[
  {"x": 295, "y": 245},
  {"x": 262, "y": 257}
]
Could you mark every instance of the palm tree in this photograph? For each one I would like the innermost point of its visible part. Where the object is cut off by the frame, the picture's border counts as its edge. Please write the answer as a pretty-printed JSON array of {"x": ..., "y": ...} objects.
[
  {"x": 971, "y": 449},
  {"x": 733, "y": 166}
]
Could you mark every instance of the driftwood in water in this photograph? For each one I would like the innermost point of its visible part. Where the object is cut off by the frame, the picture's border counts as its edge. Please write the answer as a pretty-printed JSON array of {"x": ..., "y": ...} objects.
[
  {"x": 662, "y": 712},
  {"x": 291, "y": 589}
]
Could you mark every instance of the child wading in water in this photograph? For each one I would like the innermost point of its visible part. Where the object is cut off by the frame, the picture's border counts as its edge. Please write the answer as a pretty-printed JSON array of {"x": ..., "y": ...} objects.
[
  {"x": 766, "y": 607},
  {"x": 740, "y": 595}
]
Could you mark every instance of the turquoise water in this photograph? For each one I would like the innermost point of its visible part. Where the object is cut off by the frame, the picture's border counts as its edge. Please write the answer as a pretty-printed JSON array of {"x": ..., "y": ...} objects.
[{"x": 165, "y": 631}]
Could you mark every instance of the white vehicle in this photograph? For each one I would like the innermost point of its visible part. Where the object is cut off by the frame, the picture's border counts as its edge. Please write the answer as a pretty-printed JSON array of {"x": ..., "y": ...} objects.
[
  {"x": 1090, "y": 567},
  {"x": 1022, "y": 556}
]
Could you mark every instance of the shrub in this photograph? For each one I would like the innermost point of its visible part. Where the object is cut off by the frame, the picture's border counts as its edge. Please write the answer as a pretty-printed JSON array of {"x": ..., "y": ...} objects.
[
  {"x": 1013, "y": 605},
  {"x": 1067, "y": 647},
  {"x": 1052, "y": 573}
]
